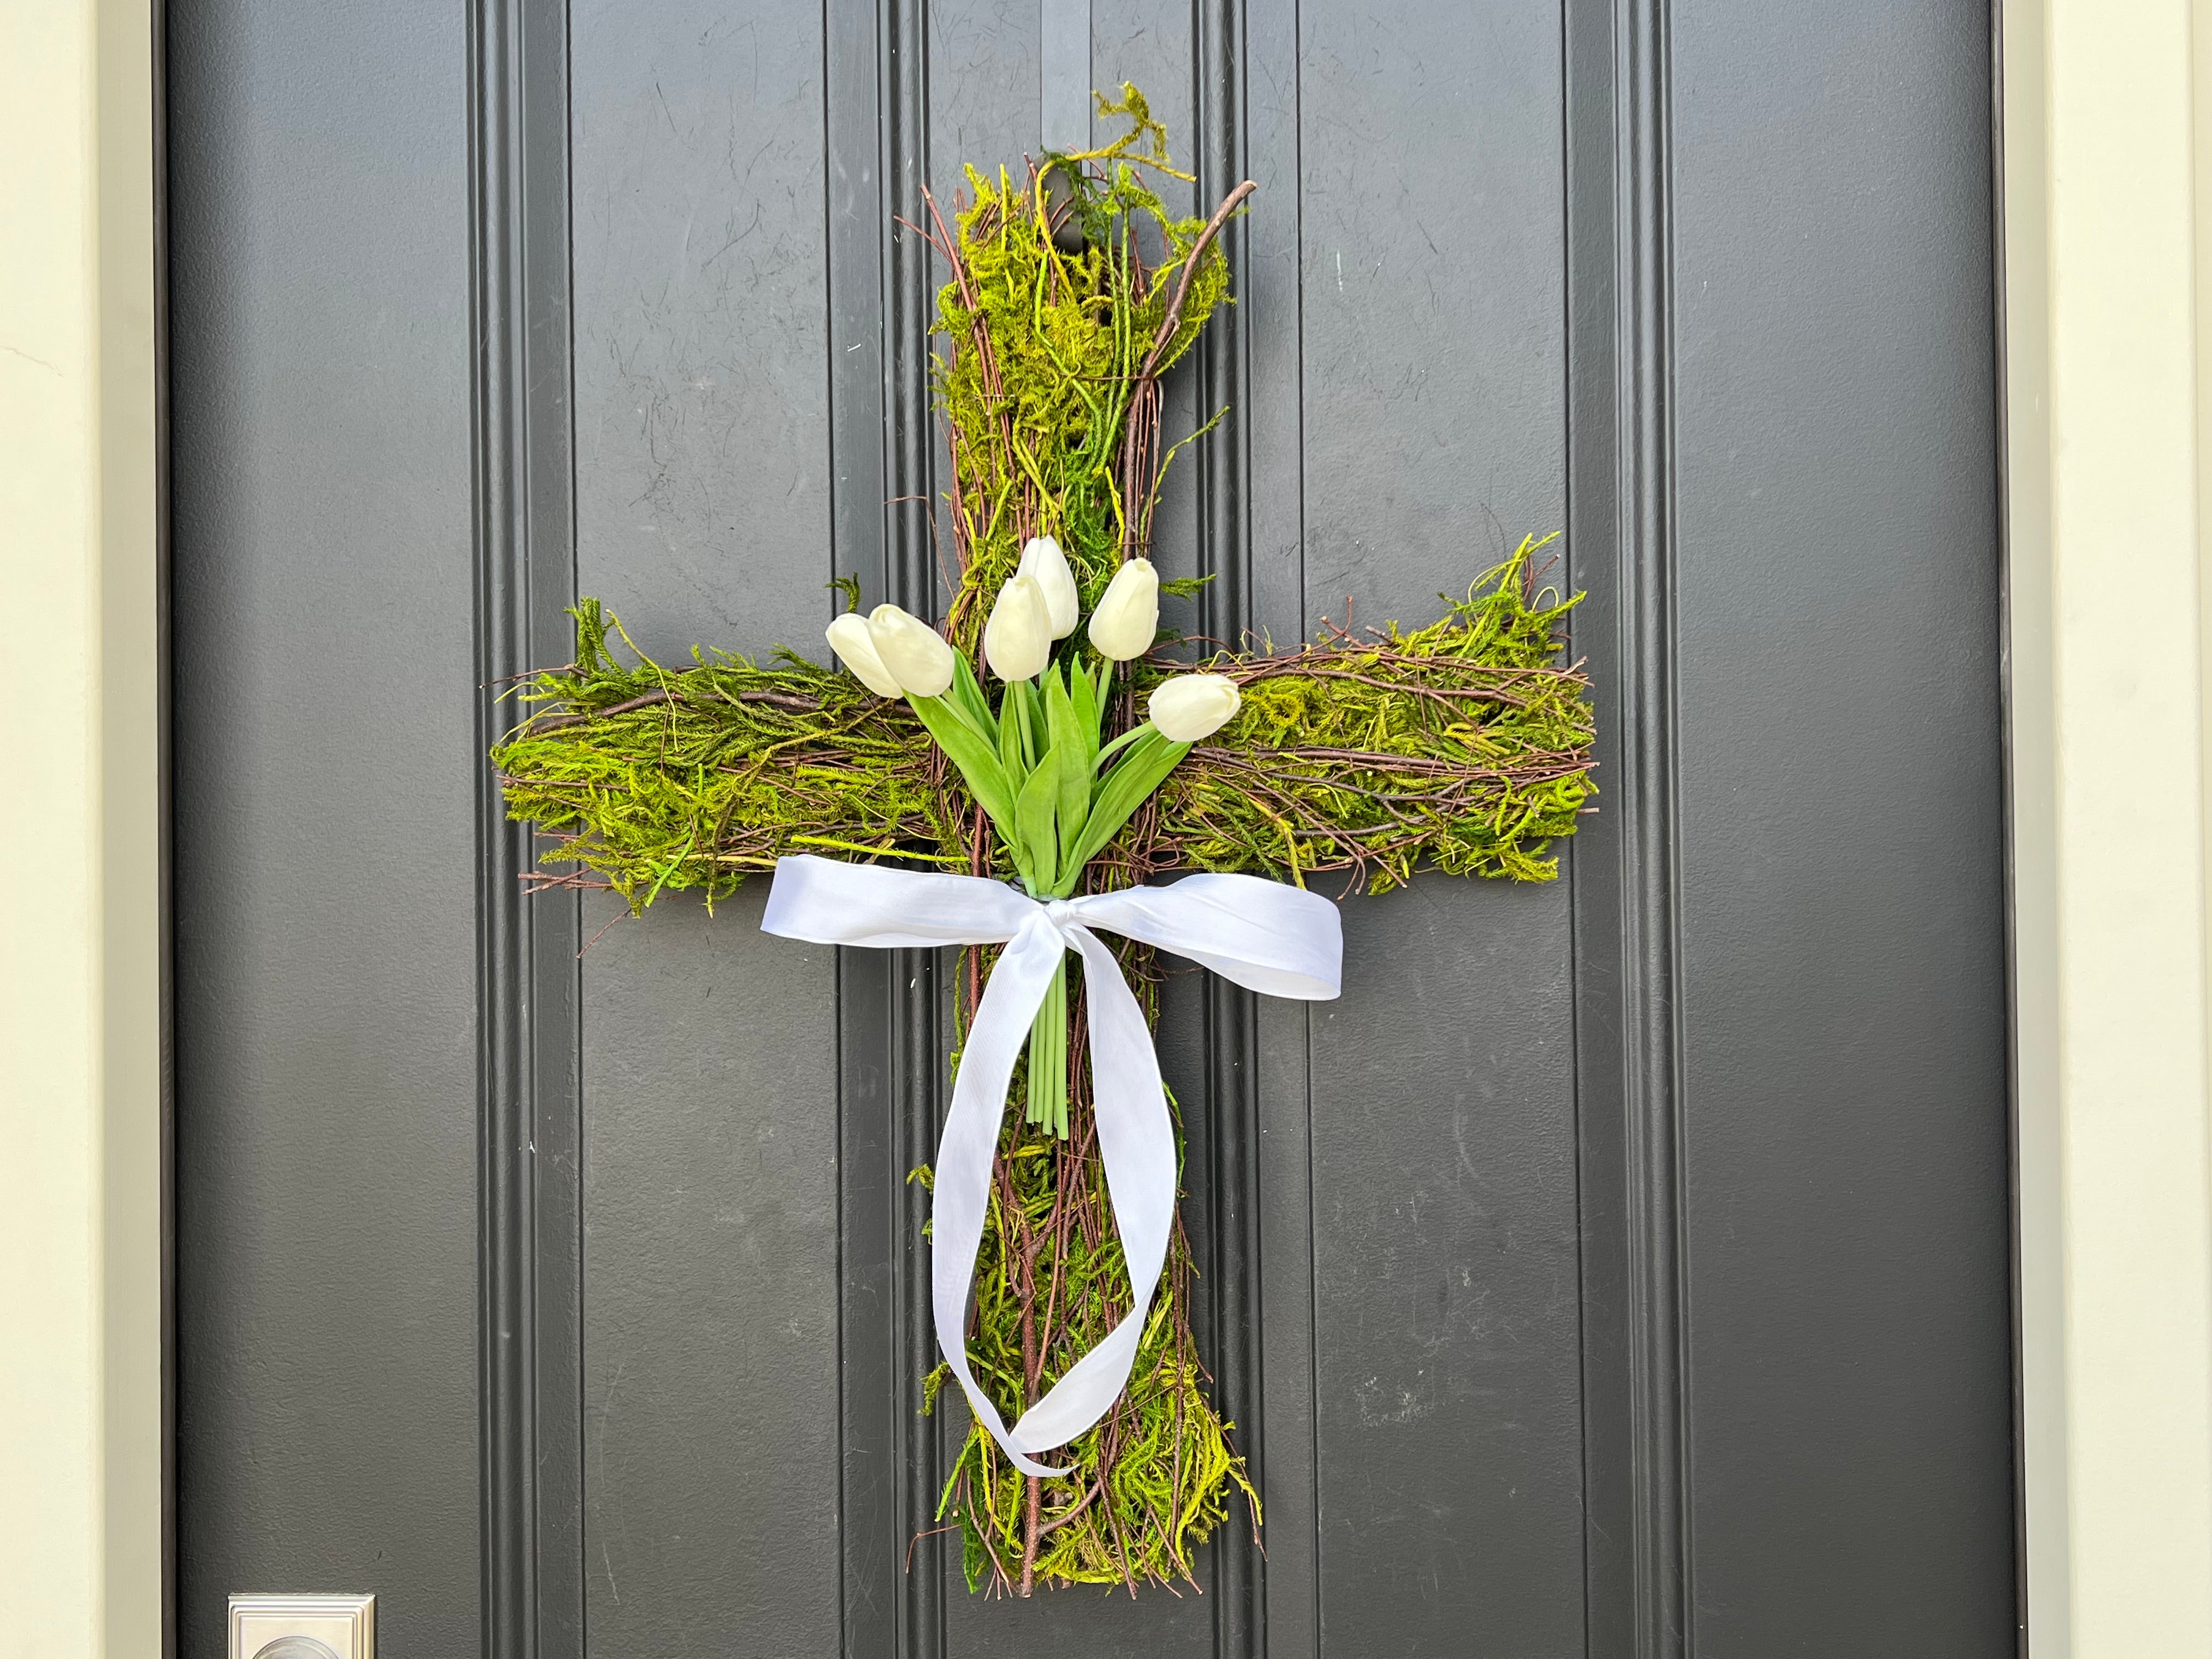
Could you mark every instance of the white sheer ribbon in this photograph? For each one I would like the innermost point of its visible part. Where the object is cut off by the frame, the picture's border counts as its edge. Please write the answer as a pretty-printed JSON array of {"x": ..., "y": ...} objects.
[{"x": 1265, "y": 936}]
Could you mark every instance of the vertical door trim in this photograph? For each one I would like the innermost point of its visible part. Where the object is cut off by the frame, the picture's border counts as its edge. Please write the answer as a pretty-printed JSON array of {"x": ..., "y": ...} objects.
[
  {"x": 1651, "y": 946},
  {"x": 916, "y": 1053},
  {"x": 166, "y": 829},
  {"x": 530, "y": 1192},
  {"x": 2028, "y": 843},
  {"x": 890, "y": 1056},
  {"x": 1624, "y": 865},
  {"x": 1226, "y": 613}
]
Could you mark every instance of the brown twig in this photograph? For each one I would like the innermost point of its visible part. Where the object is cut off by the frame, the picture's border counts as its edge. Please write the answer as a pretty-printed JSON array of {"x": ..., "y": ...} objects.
[
  {"x": 1066, "y": 1515},
  {"x": 1031, "y": 1535},
  {"x": 1229, "y": 204},
  {"x": 1140, "y": 426}
]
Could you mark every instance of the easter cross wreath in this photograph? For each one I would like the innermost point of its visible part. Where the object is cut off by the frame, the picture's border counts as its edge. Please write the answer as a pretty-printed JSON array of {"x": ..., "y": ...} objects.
[{"x": 1061, "y": 1271}]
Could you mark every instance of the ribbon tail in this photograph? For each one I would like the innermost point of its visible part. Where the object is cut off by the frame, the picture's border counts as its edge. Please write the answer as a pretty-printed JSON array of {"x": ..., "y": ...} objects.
[
  {"x": 964, "y": 1154},
  {"x": 1136, "y": 1142}
]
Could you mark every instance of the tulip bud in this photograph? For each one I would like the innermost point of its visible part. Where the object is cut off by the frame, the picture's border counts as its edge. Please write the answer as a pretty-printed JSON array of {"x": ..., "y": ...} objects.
[
  {"x": 1127, "y": 619},
  {"x": 1044, "y": 564},
  {"x": 1193, "y": 706},
  {"x": 915, "y": 653},
  {"x": 849, "y": 638},
  {"x": 1018, "y": 640}
]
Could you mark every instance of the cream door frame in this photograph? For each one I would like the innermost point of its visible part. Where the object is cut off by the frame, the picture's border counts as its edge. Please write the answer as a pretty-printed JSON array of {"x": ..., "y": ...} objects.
[
  {"x": 2106, "y": 270},
  {"x": 82, "y": 1569}
]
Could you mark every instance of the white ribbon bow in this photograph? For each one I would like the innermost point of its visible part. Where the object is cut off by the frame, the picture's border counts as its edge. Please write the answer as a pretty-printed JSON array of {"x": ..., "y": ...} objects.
[{"x": 1263, "y": 935}]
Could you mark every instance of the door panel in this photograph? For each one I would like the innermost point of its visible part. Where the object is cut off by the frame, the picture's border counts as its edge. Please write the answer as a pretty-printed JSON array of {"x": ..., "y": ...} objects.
[
  {"x": 1844, "y": 1153},
  {"x": 325, "y": 931},
  {"x": 1447, "y": 1339},
  {"x": 1619, "y": 1266},
  {"x": 709, "y": 1088}
]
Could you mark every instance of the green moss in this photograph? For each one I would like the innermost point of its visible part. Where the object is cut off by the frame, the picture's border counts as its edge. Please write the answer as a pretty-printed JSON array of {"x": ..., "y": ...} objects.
[
  {"x": 1048, "y": 353},
  {"x": 1464, "y": 745},
  {"x": 651, "y": 780}
]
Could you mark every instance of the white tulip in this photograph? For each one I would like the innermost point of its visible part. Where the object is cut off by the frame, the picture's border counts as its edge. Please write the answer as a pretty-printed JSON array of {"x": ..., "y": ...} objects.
[
  {"x": 850, "y": 639},
  {"x": 1127, "y": 619},
  {"x": 1193, "y": 706},
  {"x": 915, "y": 653},
  {"x": 1018, "y": 640},
  {"x": 1045, "y": 564}
]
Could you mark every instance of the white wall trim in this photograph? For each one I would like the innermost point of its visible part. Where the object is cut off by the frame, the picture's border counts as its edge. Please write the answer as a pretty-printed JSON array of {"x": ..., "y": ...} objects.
[
  {"x": 2105, "y": 258},
  {"x": 81, "y": 1316}
]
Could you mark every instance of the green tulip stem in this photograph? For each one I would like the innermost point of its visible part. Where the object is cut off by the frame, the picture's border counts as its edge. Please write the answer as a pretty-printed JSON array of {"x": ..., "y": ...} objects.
[
  {"x": 1049, "y": 1057},
  {"x": 1124, "y": 740}
]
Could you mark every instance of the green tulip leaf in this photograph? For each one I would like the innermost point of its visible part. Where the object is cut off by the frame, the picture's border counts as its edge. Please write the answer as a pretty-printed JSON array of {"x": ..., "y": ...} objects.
[
  {"x": 1124, "y": 789},
  {"x": 987, "y": 779},
  {"x": 968, "y": 696},
  {"x": 1039, "y": 850},
  {"x": 1071, "y": 756},
  {"x": 1083, "y": 697}
]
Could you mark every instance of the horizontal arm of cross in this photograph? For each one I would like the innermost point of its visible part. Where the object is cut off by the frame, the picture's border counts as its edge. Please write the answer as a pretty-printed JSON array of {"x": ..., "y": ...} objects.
[{"x": 1465, "y": 745}]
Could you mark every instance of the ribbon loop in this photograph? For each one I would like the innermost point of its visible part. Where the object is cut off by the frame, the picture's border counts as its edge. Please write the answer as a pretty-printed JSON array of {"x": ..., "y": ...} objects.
[{"x": 1265, "y": 936}]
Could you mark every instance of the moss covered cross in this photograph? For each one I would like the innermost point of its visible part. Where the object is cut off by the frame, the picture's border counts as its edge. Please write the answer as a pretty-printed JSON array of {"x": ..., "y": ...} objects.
[{"x": 1462, "y": 746}]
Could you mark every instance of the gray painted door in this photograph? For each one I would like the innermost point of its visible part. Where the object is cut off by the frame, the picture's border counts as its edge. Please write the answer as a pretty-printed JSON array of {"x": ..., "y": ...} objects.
[{"x": 1621, "y": 1267}]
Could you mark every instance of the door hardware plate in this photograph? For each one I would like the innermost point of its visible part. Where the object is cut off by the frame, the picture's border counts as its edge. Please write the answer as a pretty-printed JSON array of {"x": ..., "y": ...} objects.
[{"x": 302, "y": 1627}]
